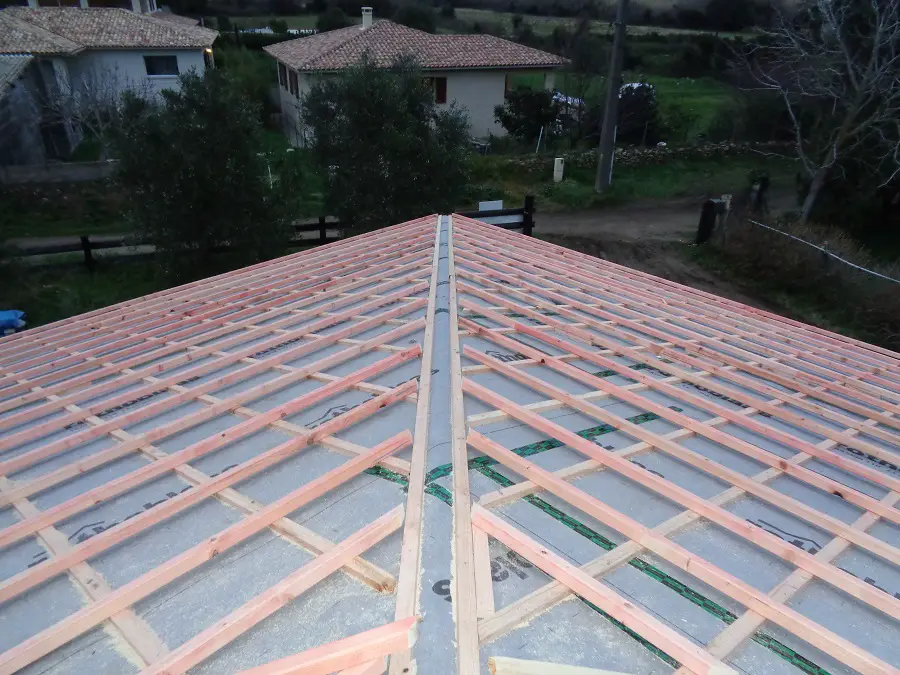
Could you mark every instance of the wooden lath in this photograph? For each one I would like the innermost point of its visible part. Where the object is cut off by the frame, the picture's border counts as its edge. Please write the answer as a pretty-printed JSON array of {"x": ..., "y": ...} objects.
[
  {"x": 577, "y": 309},
  {"x": 324, "y": 309}
]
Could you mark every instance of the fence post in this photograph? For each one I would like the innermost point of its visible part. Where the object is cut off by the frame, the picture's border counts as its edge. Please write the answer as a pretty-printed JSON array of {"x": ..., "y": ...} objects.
[
  {"x": 88, "y": 256},
  {"x": 322, "y": 233},
  {"x": 528, "y": 215},
  {"x": 707, "y": 224}
]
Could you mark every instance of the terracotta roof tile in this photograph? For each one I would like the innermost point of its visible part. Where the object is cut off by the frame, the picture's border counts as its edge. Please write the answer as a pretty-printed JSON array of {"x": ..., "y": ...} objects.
[
  {"x": 385, "y": 41},
  {"x": 11, "y": 67},
  {"x": 21, "y": 37},
  {"x": 100, "y": 28}
]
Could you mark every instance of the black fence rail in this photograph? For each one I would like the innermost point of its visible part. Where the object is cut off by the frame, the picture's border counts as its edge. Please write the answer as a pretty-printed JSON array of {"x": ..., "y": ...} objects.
[{"x": 327, "y": 228}]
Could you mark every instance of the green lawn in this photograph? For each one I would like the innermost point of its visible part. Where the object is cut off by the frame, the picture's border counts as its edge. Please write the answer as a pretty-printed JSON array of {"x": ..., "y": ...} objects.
[
  {"x": 497, "y": 177},
  {"x": 304, "y": 21},
  {"x": 48, "y": 294},
  {"x": 700, "y": 99},
  {"x": 544, "y": 25},
  {"x": 68, "y": 209}
]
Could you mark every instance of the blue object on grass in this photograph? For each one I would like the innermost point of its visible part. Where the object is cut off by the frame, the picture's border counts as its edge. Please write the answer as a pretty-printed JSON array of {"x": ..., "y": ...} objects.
[{"x": 11, "y": 319}]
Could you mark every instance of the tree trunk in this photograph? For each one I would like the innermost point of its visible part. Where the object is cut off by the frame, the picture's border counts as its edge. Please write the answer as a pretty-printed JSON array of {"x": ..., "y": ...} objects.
[{"x": 815, "y": 187}]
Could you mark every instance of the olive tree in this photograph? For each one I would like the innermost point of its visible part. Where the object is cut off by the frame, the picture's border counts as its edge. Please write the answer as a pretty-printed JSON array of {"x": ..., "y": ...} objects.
[
  {"x": 197, "y": 179},
  {"x": 387, "y": 151}
]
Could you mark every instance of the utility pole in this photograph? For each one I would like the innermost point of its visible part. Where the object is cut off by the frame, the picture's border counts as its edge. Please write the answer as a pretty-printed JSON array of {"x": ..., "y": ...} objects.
[{"x": 610, "y": 114}]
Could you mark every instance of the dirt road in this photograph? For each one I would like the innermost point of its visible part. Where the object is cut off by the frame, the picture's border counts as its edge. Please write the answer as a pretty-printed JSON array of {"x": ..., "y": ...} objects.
[{"x": 656, "y": 238}]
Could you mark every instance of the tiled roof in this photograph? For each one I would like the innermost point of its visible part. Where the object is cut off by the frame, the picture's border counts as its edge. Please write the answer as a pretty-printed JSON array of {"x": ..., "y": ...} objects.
[
  {"x": 175, "y": 18},
  {"x": 21, "y": 37},
  {"x": 68, "y": 29},
  {"x": 385, "y": 41},
  {"x": 11, "y": 67}
]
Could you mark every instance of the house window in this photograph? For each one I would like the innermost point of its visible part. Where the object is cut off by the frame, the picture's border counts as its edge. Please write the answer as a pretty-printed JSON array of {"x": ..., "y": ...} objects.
[
  {"x": 295, "y": 87},
  {"x": 440, "y": 90},
  {"x": 161, "y": 65},
  {"x": 282, "y": 76}
]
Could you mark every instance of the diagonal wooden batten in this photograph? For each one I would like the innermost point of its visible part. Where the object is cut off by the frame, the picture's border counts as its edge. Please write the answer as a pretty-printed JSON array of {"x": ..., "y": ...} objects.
[
  {"x": 411, "y": 548},
  {"x": 83, "y": 620},
  {"x": 131, "y": 480},
  {"x": 534, "y": 603},
  {"x": 748, "y": 623},
  {"x": 127, "y": 626},
  {"x": 651, "y": 300},
  {"x": 664, "y": 350},
  {"x": 347, "y": 653},
  {"x": 462, "y": 584},
  {"x": 836, "y": 577},
  {"x": 115, "y": 341},
  {"x": 181, "y": 301},
  {"x": 41, "y": 453},
  {"x": 376, "y": 667},
  {"x": 753, "y": 425},
  {"x": 727, "y": 332},
  {"x": 639, "y": 320},
  {"x": 100, "y": 363},
  {"x": 775, "y": 611},
  {"x": 197, "y": 326},
  {"x": 504, "y": 665},
  {"x": 254, "y": 367},
  {"x": 677, "y": 645},
  {"x": 573, "y": 264},
  {"x": 260, "y": 607},
  {"x": 801, "y": 473},
  {"x": 244, "y": 337}
]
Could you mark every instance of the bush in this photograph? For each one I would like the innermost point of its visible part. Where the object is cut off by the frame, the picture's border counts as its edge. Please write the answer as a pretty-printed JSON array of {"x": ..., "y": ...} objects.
[
  {"x": 389, "y": 153},
  {"x": 195, "y": 180},
  {"x": 526, "y": 112},
  {"x": 809, "y": 281},
  {"x": 638, "y": 119},
  {"x": 252, "y": 72},
  {"x": 278, "y": 26}
]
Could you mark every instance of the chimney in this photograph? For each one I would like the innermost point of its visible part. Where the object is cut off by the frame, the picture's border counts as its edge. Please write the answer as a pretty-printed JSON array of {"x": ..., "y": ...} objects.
[{"x": 366, "y": 17}]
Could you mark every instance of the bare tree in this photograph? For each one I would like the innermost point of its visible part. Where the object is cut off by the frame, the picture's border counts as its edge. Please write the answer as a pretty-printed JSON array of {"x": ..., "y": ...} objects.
[
  {"x": 92, "y": 102},
  {"x": 836, "y": 66}
]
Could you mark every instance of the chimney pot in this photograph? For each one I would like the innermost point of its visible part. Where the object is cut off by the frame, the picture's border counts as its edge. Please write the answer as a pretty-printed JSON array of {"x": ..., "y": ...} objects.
[{"x": 366, "y": 17}]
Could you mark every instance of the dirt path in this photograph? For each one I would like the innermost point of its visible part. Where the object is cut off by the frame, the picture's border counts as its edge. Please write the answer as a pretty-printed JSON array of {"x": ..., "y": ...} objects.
[{"x": 655, "y": 238}]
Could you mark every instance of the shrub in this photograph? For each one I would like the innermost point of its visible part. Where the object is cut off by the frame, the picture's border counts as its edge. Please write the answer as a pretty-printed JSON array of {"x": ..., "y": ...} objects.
[
  {"x": 389, "y": 153},
  {"x": 526, "y": 112},
  {"x": 278, "y": 26},
  {"x": 195, "y": 180}
]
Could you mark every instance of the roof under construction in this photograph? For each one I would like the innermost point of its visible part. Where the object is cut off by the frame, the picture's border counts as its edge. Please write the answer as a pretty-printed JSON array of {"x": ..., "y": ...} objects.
[{"x": 446, "y": 448}]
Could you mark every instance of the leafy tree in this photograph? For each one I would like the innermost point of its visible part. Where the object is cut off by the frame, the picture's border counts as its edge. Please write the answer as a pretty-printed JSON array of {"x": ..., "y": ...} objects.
[
  {"x": 389, "y": 153},
  {"x": 526, "y": 111},
  {"x": 420, "y": 17},
  {"x": 448, "y": 12},
  {"x": 195, "y": 179},
  {"x": 278, "y": 26},
  {"x": 251, "y": 71},
  {"x": 332, "y": 19}
]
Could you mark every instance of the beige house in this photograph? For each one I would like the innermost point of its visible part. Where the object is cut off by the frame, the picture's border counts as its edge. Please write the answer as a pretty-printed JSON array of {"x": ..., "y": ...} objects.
[
  {"x": 59, "y": 59},
  {"x": 471, "y": 70}
]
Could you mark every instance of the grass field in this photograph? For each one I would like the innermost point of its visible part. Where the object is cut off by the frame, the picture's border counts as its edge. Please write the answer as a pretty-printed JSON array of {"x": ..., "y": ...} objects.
[
  {"x": 303, "y": 21},
  {"x": 701, "y": 100},
  {"x": 544, "y": 25},
  {"x": 496, "y": 177}
]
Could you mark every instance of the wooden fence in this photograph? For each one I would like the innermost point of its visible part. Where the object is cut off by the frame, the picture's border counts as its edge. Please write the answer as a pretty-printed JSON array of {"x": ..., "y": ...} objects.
[{"x": 327, "y": 228}]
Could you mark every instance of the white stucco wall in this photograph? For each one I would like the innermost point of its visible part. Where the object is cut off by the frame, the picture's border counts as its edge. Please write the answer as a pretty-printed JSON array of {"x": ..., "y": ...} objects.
[
  {"x": 478, "y": 91},
  {"x": 126, "y": 67}
]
